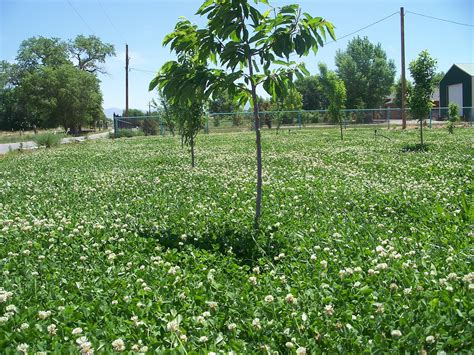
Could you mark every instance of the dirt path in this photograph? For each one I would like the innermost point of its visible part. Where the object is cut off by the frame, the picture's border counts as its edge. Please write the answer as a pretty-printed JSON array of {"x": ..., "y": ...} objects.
[{"x": 6, "y": 147}]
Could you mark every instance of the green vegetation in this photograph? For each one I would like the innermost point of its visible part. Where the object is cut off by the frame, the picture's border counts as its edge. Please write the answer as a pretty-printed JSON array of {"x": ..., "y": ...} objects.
[
  {"x": 120, "y": 245},
  {"x": 453, "y": 116},
  {"x": 250, "y": 47},
  {"x": 52, "y": 83},
  {"x": 423, "y": 72},
  {"x": 367, "y": 73},
  {"x": 48, "y": 140}
]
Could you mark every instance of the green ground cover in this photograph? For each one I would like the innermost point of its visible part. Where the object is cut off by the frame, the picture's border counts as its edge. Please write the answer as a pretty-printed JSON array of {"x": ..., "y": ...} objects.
[{"x": 120, "y": 245}]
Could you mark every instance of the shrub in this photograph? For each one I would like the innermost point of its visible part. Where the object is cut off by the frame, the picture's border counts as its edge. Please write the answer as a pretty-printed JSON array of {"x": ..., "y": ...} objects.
[{"x": 48, "y": 140}]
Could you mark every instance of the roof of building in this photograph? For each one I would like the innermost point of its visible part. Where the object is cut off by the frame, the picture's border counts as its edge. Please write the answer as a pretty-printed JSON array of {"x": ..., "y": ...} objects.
[{"x": 466, "y": 67}]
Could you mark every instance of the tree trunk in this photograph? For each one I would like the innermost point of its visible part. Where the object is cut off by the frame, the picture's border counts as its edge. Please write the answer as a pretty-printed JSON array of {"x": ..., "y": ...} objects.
[
  {"x": 258, "y": 201},
  {"x": 340, "y": 124},
  {"x": 421, "y": 132}
]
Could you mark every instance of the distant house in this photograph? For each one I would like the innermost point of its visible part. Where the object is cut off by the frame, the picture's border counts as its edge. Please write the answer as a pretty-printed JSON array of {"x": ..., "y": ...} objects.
[
  {"x": 389, "y": 103},
  {"x": 457, "y": 86}
]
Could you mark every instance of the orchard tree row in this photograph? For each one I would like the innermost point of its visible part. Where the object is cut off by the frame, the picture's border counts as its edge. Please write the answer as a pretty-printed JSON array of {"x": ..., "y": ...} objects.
[{"x": 53, "y": 83}]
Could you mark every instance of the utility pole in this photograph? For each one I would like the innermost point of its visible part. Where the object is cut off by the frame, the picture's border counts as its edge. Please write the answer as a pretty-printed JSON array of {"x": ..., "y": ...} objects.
[
  {"x": 402, "y": 29},
  {"x": 126, "y": 80}
]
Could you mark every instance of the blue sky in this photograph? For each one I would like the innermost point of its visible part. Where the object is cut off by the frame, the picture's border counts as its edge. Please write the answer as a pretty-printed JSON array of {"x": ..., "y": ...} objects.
[{"x": 143, "y": 25}]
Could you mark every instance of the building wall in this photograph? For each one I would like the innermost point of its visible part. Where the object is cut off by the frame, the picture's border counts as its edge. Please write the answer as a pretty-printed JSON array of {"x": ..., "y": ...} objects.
[{"x": 456, "y": 76}]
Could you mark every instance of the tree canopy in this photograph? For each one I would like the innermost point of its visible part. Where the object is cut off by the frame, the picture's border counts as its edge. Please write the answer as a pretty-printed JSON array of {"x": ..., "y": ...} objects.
[
  {"x": 49, "y": 86},
  {"x": 249, "y": 47},
  {"x": 367, "y": 73}
]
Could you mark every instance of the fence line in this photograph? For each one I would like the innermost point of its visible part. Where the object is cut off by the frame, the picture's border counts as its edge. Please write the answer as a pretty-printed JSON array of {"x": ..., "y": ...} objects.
[{"x": 243, "y": 120}]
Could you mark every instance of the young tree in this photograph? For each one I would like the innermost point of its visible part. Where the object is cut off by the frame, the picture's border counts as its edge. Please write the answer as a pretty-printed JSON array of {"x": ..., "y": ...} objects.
[
  {"x": 453, "y": 116},
  {"x": 367, "y": 73},
  {"x": 245, "y": 43},
  {"x": 336, "y": 92},
  {"x": 423, "y": 71}
]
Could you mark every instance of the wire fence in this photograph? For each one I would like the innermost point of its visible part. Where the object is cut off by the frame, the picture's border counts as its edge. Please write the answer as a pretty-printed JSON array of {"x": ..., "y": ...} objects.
[{"x": 275, "y": 120}]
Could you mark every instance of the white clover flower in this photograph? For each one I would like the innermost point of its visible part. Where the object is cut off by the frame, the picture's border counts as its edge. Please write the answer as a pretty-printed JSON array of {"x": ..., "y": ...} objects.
[
  {"x": 183, "y": 338},
  {"x": 290, "y": 298},
  {"x": 289, "y": 345},
  {"x": 3, "y": 319},
  {"x": 269, "y": 298},
  {"x": 253, "y": 280},
  {"x": 430, "y": 339},
  {"x": 52, "y": 329},
  {"x": 301, "y": 351},
  {"x": 44, "y": 314},
  {"x": 11, "y": 308},
  {"x": 76, "y": 331},
  {"x": 256, "y": 270},
  {"x": 172, "y": 326},
  {"x": 324, "y": 264},
  {"x": 203, "y": 339},
  {"x": 118, "y": 345},
  {"x": 256, "y": 323},
  {"x": 206, "y": 314},
  {"x": 5, "y": 295},
  {"x": 396, "y": 333},
  {"x": 381, "y": 266},
  {"x": 24, "y": 326},
  {"x": 313, "y": 257},
  {"x": 232, "y": 326},
  {"x": 304, "y": 317},
  {"x": 22, "y": 348},
  {"x": 329, "y": 309}
]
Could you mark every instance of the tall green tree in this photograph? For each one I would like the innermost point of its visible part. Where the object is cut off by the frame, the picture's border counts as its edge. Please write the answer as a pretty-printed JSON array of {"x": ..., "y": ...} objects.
[
  {"x": 367, "y": 73},
  {"x": 423, "y": 72},
  {"x": 313, "y": 95},
  {"x": 65, "y": 96},
  {"x": 37, "y": 52},
  {"x": 251, "y": 48},
  {"x": 27, "y": 95},
  {"x": 89, "y": 53}
]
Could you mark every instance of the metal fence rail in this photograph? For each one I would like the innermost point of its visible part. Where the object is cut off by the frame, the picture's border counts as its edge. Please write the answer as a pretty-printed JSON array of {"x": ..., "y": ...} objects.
[{"x": 243, "y": 121}]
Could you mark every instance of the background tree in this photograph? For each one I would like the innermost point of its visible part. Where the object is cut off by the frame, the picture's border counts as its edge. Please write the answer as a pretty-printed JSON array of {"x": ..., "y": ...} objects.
[
  {"x": 37, "y": 52},
  {"x": 423, "y": 71},
  {"x": 30, "y": 89},
  {"x": 134, "y": 112},
  {"x": 367, "y": 73},
  {"x": 437, "y": 79},
  {"x": 313, "y": 95},
  {"x": 397, "y": 91},
  {"x": 63, "y": 96},
  {"x": 292, "y": 101},
  {"x": 88, "y": 53},
  {"x": 245, "y": 43}
]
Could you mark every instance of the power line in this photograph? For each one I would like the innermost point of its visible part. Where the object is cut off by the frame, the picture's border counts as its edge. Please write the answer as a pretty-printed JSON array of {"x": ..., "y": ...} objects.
[
  {"x": 363, "y": 28},
  {"x": 82, "y": 18},
  {"x": 111, "y": 22},
  {"x": 440, "y": 19}
]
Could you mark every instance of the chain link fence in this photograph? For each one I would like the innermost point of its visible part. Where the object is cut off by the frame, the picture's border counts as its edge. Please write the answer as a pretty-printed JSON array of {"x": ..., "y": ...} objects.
[{"x": 276, "y": 120}]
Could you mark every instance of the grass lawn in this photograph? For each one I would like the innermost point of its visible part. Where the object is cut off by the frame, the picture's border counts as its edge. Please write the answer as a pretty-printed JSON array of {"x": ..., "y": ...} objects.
[{"x": 120, "y": 245}]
